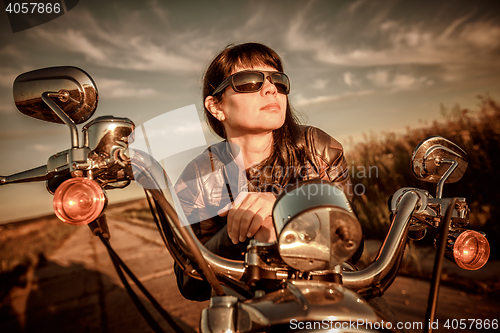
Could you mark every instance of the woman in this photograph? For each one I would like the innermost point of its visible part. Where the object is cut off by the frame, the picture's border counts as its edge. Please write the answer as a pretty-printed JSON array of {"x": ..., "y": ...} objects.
[{"x": 228, "y": 192}]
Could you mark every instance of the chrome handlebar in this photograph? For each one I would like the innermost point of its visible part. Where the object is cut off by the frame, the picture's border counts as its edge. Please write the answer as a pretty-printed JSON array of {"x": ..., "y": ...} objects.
[
  {"x": 151, "y": 176},
  {"x": 391, "y": 249}
]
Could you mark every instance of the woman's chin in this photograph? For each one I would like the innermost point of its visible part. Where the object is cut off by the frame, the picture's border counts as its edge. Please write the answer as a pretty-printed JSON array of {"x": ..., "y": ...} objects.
[{"x": 273, "y": 121}]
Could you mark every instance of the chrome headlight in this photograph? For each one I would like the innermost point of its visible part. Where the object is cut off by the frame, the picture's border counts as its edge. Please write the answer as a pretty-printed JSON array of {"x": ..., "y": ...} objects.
[{"x": 316, "y": 226}]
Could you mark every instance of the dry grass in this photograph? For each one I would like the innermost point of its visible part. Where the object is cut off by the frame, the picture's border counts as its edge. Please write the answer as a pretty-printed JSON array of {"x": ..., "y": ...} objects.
[
  {"x": 132, "y": 211},
  {"x": 24, "y": 243},
  {"x": 142, "y": 214}
]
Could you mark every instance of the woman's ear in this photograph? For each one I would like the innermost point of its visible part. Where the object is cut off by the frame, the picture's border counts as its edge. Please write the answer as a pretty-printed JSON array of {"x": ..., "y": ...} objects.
[{"x": 214, "y": 108}]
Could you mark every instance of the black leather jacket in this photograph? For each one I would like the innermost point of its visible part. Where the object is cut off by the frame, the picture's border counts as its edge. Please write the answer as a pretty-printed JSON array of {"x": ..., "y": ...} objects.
[{"x": 215, "y": 177}]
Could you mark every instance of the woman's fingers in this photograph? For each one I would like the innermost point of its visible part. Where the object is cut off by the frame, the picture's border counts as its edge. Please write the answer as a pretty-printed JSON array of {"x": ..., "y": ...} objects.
[
  {"x": 257, "y": 221},
  {"x": 246, "y": 215},
  {"x": 266, "y": 232},
  {"x": 240, "y": 217},
  {"x": 229, "y": 211},
  {"x": 249, "y": 218}
]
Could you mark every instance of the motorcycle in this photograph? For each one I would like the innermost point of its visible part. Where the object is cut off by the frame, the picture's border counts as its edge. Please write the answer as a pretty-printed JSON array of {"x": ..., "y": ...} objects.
[{"x": 303, "y": 281}]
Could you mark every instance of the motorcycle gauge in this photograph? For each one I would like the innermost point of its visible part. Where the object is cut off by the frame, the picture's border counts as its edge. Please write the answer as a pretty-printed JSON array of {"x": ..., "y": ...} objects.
[{"x": 315, "y": 225}]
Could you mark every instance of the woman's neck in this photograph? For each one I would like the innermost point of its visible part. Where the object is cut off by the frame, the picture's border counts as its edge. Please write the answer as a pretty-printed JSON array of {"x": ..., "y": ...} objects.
[{"x": 254, "y": 147}]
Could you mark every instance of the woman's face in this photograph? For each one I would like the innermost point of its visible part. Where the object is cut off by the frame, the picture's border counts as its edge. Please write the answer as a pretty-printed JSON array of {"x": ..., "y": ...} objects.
[{"x": 253, "y": 113}]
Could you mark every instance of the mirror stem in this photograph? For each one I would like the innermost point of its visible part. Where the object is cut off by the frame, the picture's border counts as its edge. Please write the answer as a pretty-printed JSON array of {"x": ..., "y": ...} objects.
[
  {"x": 46, "y": 97},
  {"x": 453, "y": 166}
]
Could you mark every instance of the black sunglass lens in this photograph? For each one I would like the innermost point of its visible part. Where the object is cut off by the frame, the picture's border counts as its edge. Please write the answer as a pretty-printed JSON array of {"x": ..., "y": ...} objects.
[
  {"x": 248, "y": 82},
  {"x": 281, "y": 82}
]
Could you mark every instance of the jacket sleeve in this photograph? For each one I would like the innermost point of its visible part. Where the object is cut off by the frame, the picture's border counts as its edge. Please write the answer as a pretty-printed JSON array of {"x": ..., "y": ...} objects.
[
  {"x": 331, "y": 161},
  {"x": 190, "y": 192}
]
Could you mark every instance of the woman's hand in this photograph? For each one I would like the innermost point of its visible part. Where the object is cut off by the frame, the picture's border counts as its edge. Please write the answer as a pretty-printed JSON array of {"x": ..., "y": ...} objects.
[{"x": 250, "y": 216}]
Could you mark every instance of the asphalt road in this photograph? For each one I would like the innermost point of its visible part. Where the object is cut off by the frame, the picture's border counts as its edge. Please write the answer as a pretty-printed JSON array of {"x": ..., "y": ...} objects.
[{"x": 77, "y": 290}]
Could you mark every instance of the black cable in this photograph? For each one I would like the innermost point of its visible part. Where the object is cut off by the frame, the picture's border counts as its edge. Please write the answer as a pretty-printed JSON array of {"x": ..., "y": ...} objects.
[
  {"x": 438, "y": 267},
  {"x": 146, "y": 293}
]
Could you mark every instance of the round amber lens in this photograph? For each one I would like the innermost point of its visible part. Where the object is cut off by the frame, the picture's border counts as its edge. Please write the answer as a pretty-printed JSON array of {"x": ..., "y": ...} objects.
[
  {"x": 471, "y": 250},
  {"x": 79, "y": 201}
]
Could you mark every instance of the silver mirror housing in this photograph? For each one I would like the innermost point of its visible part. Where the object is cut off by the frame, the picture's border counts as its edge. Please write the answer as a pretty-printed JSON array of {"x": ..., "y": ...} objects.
[
  {"x": 433, "y": 157},
  {"x": 78, "y": 93}
]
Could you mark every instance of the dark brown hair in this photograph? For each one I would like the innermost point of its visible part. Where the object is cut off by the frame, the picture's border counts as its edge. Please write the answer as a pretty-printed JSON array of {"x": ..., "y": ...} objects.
[{"x": 286, "y": 152}]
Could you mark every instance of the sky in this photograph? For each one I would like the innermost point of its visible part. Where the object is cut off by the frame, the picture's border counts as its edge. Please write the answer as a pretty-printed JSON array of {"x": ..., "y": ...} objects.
[{"x": 356, "y": 67}]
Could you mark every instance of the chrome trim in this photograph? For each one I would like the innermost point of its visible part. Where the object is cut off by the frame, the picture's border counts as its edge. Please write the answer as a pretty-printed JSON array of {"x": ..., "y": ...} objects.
[
  {"x": 447, "y": 174},
  {"x": 220, "y": 265},
  {"x": 315, "y": 226},
  {"x": 46, "y": 97},
  {"x": 305, "y": 301},
  {"x": 56, "y": 163},
  {"x": 390, "y": 250},
  {"x": 302, "y": 196},
  {"x": 106, "y": 133},
  {"x": 220, "y": 315},
  {"x": 431, "y": 210}
]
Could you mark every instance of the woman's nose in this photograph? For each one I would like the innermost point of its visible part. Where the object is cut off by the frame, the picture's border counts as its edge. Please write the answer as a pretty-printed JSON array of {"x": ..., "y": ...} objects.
[{"x": 269, "y": 87}]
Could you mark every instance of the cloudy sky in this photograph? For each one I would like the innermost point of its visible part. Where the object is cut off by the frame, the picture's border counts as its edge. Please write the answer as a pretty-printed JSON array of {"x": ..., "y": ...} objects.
[{"x": 355, "y": 66}]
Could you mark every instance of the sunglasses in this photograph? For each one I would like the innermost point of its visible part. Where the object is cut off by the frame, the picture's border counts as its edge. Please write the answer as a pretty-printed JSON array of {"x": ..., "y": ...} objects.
[{"x": 253, "y": 81}]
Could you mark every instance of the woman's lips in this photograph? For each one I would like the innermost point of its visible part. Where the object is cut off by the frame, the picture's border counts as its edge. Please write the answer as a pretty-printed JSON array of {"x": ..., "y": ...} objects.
[{"x": 271, "y": 107}]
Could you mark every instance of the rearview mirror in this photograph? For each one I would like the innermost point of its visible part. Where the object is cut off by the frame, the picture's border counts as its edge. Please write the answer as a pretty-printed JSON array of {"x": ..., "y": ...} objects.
[
  {"x": 434, "y": 156},
  {"x": 78, "y": 93}
]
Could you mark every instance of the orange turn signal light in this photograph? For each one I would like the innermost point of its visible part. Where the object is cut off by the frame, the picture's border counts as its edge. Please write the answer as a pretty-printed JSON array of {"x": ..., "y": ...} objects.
[
  {"x": 468, "y": 249},
  {"x": 79, "y": 201}
]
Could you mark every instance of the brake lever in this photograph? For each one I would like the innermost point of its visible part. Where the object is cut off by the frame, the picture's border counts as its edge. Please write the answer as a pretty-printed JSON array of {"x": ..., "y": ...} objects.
[
  {"x": 56, "y": 164},
  {"x": 33, "y": 175}
]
